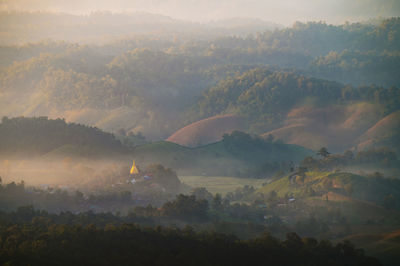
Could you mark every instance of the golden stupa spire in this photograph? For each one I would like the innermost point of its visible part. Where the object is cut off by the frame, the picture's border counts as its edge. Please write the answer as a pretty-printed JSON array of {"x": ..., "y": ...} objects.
[{"x": 134, "y": 169}]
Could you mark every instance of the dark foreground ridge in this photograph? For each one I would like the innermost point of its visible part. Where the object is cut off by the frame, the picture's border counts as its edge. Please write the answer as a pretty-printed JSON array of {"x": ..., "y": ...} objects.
[{"x": 46, "y": 241}]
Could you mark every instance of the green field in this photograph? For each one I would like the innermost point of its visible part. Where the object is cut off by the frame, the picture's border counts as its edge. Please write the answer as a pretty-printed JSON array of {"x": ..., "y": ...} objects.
[{"x": 219, "y": 184}]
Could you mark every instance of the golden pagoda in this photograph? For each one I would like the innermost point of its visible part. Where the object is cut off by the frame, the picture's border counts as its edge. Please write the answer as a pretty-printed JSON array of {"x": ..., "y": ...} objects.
[{"x": 134, "y": 169}]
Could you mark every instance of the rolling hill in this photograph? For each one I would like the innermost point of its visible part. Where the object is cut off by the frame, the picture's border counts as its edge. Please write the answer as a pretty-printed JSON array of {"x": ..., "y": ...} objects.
[
  {"x": 28, "y": 137},
  {"x": 386, "y": 132},
  {"x": 301, "y": 110},
  {"x": 243, "y": 156},
  {"x": 237, "y": 154},
  {"x": 207, "y": 130},
  {"x": 336, "y": 127}
]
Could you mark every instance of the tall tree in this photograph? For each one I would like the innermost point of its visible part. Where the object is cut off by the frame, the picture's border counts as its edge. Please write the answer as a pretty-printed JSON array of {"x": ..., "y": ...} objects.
[{"x": 323, "y": 152}]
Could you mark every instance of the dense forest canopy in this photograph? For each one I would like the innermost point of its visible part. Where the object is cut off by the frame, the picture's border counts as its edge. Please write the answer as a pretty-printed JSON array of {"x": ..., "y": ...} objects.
[
  {"x": 152, "y": 78},
  {"x": 44, "y": 242}
]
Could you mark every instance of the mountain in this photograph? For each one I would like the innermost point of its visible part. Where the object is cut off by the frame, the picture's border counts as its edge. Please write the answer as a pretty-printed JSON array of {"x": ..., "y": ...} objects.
[
  {"x": 138, "y": 82},
  {"x": 207, "y": 130}
]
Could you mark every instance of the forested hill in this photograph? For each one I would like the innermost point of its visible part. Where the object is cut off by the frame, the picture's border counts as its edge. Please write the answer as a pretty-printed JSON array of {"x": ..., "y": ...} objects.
[
  {"x": 266, "y": 95},
  {"x": 262, "y": 92},
  {"x": 320, "y": 38},
  {"x": 306, "y": 111},
  {"x": 37, "y": 136},
  {"x": 237, "y": 154},
  {"x": 138, "y": 83}
]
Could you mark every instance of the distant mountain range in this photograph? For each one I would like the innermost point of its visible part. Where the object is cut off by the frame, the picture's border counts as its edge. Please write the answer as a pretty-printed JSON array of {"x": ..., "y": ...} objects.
[
  {"x": 303, "y": 85},
  {"x": 19, "y": 27}
]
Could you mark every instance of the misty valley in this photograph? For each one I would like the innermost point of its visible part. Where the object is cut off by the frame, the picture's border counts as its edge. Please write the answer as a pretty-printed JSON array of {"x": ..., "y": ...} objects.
[{"x": 139, "y": 139}]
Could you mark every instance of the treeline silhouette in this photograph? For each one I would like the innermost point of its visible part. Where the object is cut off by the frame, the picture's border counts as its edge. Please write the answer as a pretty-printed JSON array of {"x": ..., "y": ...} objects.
[
  {"x": 44, "y": 241},
  {"x": 375, "y": 157}
]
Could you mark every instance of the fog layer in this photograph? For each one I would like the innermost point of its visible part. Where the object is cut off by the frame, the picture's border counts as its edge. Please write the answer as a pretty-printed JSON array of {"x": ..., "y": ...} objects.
[{"x": 284, "y": 11}]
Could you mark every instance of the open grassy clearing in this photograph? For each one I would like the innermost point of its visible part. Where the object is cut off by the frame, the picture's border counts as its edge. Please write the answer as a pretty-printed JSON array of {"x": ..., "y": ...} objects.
[{"x": 222, "y": 185}]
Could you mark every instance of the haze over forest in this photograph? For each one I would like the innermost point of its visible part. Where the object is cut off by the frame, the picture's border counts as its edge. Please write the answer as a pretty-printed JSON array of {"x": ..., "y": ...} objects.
[
  {"x": 200, "y": 132},
  {"x": 284, "y": 12}
]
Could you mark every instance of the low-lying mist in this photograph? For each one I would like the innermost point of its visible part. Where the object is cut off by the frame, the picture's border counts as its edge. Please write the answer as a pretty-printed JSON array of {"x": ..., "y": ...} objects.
[{"x": 63, "y": 173}]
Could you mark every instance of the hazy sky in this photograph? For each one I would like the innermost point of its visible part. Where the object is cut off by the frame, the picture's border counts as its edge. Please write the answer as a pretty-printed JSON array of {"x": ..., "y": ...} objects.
[{"x": 281, "y": 11}]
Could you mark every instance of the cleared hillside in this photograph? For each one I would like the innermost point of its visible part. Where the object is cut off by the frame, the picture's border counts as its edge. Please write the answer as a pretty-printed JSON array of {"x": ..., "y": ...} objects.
[
  {"x": 207, "y": 130},
  {"x": 386, "y": 132},
  {"x": 336, "y": 127}
]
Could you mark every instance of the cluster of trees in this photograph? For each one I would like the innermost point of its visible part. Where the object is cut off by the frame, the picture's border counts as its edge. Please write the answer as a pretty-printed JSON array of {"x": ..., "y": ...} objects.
[
  {"x": 240, "y": 141},
  {"x": 130, "y": 139},
  {"x": 378, "y": 157},
  {"x": 166, "y": 177},
  {"x": 13, "y": 195},
  {"x": 198, "y": 207},
  {"x": 187, "y": 208},
  {"x": 264, "y": 157},
  {"x": 358, "y": 68},
  {"x": 240, "y": 193},
  {"x": 319, "y": 37}
]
